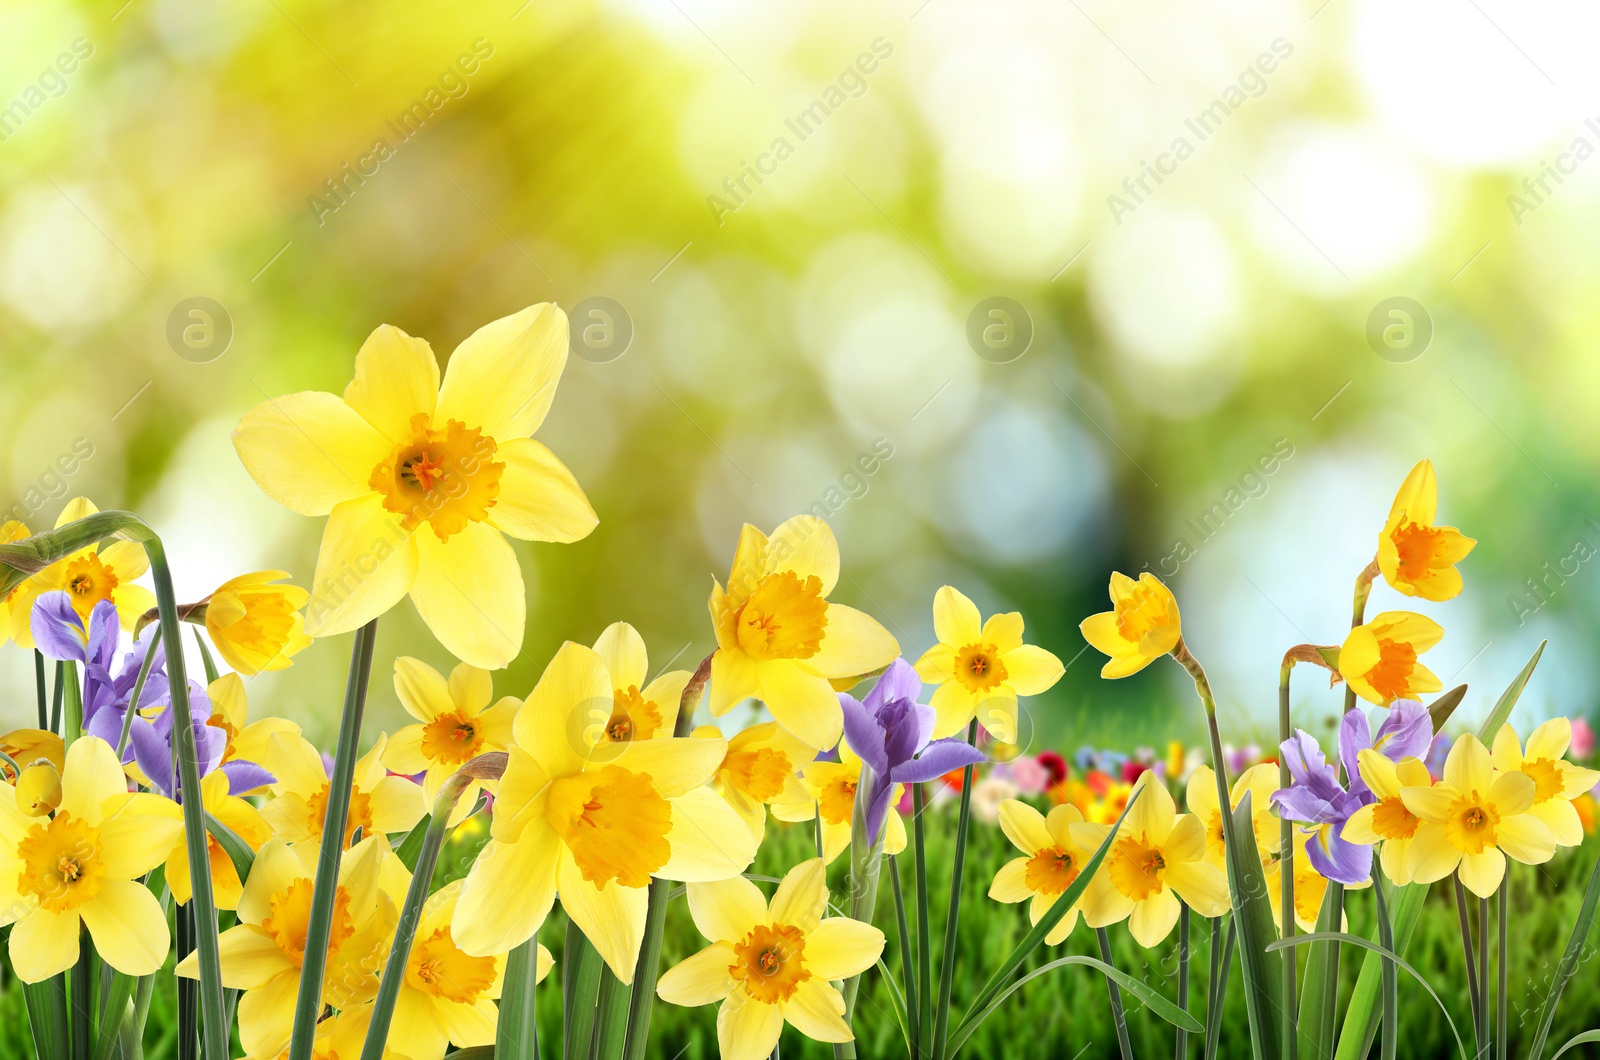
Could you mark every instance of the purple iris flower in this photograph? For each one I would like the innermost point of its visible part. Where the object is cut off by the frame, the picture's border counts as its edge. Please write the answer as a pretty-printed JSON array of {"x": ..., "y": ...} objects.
[
  {"x": 1316, "y": 797},
  {"x": 151, "y": 744},
  {"x": 891, "y": 732}
]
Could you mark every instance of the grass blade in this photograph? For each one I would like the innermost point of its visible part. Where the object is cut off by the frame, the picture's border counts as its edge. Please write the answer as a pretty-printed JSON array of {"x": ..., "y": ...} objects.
[
  {"x": 924, "y": 942},
  {"x": 580, "y": 988},
  {"x": 907, "y": 962},
  {"x": 1379, "y": 952},
  {"x": 1147, "y": 995},
  {"x": 1439, "y": 710},
  {"x": 1578, "y": 1039},
  {"x": 1508, "y": 699},
  {"x": 47, "y": 1015},
  {"x": 308, "y": 1003},
  {"x": 1569, "y": 960},
  {"x": 410, "y": 848},
  {"x": 1036, "y": 935},
  {"x": 1219, "y": 999},
  {"x": 206, "y": 661},
  {"x": 1391, "y": 987},
  {"x": 952, "y": 916},
  {"x": 896, "y": 1002},
  {"x": 1119, "y": 1019},
  {"x": 1252, "y": 912},
  {"x": 517, "y": 1033},
  {"x": 1318, "y": 991}
]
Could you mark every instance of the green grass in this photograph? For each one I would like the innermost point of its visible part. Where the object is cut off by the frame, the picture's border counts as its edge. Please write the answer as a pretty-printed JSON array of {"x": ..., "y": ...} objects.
[{"x": 1066, "y": 1011}]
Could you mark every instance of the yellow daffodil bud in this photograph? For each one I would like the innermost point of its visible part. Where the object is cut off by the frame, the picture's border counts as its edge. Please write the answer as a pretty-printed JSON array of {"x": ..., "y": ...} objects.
[
  {"x": 1415, "y": 556},
  {"x": 1142, "y": 626},
  {"x": 255, "y": 624},
  {"x": 38, "y": 789}
]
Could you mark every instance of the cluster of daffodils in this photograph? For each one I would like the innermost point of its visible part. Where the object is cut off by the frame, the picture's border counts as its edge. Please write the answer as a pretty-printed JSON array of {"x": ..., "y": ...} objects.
[{"x": 604, "y": 792}]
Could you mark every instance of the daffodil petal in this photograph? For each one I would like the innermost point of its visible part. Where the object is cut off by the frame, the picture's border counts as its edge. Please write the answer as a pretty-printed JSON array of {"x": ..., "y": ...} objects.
[
  {"x": 128, "y": 927},
  {"x": 956, "y": 621},
  {"x": 508, "y": 894},
  {"x": 611, "y": 917},
  {"x": 502, "y": 378},
  {"x": 44, "y": 943},
  {"x": 309, "y": 451},
  {"x": 367, "y": 562},
  {"x": 840, "y": 947},
  {"x": 726, "y": 910},
  {"x": 396, "y": 378},
  {"x": 853, "y": 643},
  {"x": 747, "y": 1029},
  {"x": 817, "y": 1011},
  {"x": 699, "y": 979},
  {"x": 469, "y": 592},
  {"x": 539, "y": 499},
  {"x": 709, "y": 840}
]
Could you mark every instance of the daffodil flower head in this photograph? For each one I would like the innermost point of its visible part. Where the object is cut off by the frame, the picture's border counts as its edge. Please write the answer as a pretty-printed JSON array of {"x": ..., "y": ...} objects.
[
  {"x": 88, "y": 577},
  {"x": 1474, "y": 819},
  {"x": 641, "y": 709},
  {"x": 80, "y": 868},
  {"x": 779, "y": 638},
  {"x": 595, "y": 821},
  {"x": 423, "y": 481},
  {"x": 1416, "y": 557},
  {"x": 1157, "y": 858},
  {"x": 830, "y": 789},
  {"x": 1142, "y": 625},
  {"x": 761, "y": 768},
  {"x": 1310, "y": 886},
  {"x": 243, "y": 819},
  {"x": 380, "y": 803},
  {"x": 263, "y": 954},
  {"x": 256, "y": 624},
  {"x": 1387, "y": 821},
  {"x": 1556, "y": 782},
  {"x": 981, "y": 667},
  {"x": 39, "y": 789},
  {"x": 1200, "y": 798},
  {"x": 1055, "y": 850},
  {"x": 454, "y": 724},
  {"x": 1379, "y": 658},
  {"x": 771, "y": 963}
]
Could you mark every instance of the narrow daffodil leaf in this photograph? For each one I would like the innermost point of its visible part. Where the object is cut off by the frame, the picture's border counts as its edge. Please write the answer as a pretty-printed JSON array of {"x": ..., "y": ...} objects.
[
  {"x": 1378, "y": 952},
  {"x": 206, "y": 660},
  {"x": 1317, "y": 991},
  {"x": 237, "y": 849},
  {"x": 1577, "y": 1039},
  {"x": 1147, "y": 995},
  {"x": 114, "y": 1013},
  {"x": 1252, "y": 912},
  {"x": 580, "y": 991},
  {"x": 410, "y": 847},
  {"x": 517, "y": 1032},
  {"x": 1441, "y": 709},
  {"x": 1391, "y": 988},
  {"x": 47, "y": 1015},
  {"x": 1361, "y": 1014},
  {"x": 1036, "y": 936}
]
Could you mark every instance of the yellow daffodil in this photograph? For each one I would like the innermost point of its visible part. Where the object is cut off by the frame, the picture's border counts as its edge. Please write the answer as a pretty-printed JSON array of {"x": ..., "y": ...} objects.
[
  {"x": 981, "y": 669},
  {"x": 87, "y": 576},
  {"x": 830, "y": 788},
  {"x": 421, "y": 481},
  {"x": 339, "y": 1037},
  {"x": 243, "y": 819},
  {"x": 1475, "y": 820},
  {"x": 1388, "y": 821},
  {"x": 447, "y": 996},
  {"x": 1158, "y": 857},
  {"x": 454, "y": 725},
  {"x": 1379, "y": 659},
  {"x": 230, "y": 711},
  {"x": 778, "y": 637},
  {"x": 768, "y": 963},
  {"x": 1055, "y": 849},
  {"x": 80, "y": 869},
  {"x": 10, "y": 530},
  {"x": 1142, "y": 625},
  {"x": 29, "y": 745},
  {"x": 380, "y": 804},
  {"x": 1416, "y": 557},
  {"x": 39, "y": 789},
  {"x": 641, "y": 709},
  {"x": 1556, "y": 782},
  {"x": 598, "y": 827},
  {"x": 761, "y": 769},
  {"x": 263, "y": 954},
  {"x": 1200, "y": 798},
  {"x": 255, "y": 624},
  {"x": 1310, "y": 886}
]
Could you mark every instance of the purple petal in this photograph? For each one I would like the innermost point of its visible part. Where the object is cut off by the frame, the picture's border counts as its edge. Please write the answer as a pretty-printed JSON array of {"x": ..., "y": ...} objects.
[
  {"x": 1406, "y": 732},
  {"x": 863, "y": 732},
  {"x": 899, "y": 681},
  {"x": 1355, "y": 735},
  {"x": 103, "y": 627},
  {"x": 245, "y": 776},
  {"x": 1337, "y": 858},
  {"x": 877, "y": 810},
  {"x": 927, "y": 717},
  {"x": 153, "y": 755},
  {"x": 57, "y": 629},
  {"x": 1300, "y": 803},
  {"x": 940, "y": 758},
  {"x": 900, "y": 722}
]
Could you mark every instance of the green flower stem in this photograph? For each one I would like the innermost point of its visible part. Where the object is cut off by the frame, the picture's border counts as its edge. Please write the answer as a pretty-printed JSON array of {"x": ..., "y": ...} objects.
[
  {"x": 138, "y": 690},
  {"x": 866, "y": 859},
  {"x": 611, "y": 1018},
  {"x": 1464, "y": 918},
  {"x": 1183, "y": 976},
  {"x": 952, "y": 917},
  {"x": 641, "y": 1007},
  {"x": 73, "y": 700},
  {"x": 1501, "y": 1029},
  {"x": 924, "y": 942},
  {"x": 1358, "y": 615},
  {"x": 308, "y": 1004},
  {"x": 580, "y": 986},
  {"x": 82, "y": 998},
  {"x": 517, "y": 1033},
  {"x": 484, "y": 767},
  {"x": 1213, "y": 980},
  {"x": 1483, "y": 972},
  {"x": 907, "y": 963},
  {"x": 55, "y": 702},
  {"x": 1286, "y": 1020},
  {"x": 47, "y": 1016},
  {"x": 1391, "y": 1002},
  {"x": 44, "y": 699},
  {"x": 1118, "y": 1017}
]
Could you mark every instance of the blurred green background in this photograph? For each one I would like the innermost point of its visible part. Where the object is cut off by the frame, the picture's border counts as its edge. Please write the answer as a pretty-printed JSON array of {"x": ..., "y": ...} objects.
[{"x": 1201, "y": 213}]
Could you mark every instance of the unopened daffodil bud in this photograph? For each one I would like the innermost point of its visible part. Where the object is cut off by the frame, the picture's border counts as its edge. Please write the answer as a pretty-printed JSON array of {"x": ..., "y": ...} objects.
[{"x": 38, "y": 789}]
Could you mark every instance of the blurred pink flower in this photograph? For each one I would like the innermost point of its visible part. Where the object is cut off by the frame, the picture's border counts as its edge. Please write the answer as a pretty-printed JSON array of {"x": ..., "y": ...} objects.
[
  {"x": 1582, "y": 739},
  {"x": 1029, "y": 775}
]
